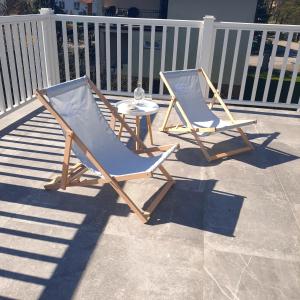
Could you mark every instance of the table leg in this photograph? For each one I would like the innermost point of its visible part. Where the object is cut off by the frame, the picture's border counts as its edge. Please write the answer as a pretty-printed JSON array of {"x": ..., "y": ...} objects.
[
  {"x": 112, "y": 123},
  {"x": 137, "y": 131},
  {"x": 149, "y": 128},
  {"x": 121, "y": 126}
]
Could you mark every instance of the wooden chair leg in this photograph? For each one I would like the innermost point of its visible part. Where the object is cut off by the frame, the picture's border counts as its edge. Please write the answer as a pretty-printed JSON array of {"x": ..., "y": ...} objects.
[
  {"x": 137, "y": 131},
  {"x": 230, "y": 153},
  {"x": 74, "y": 173},
  {"x": 144, "y": 217},
  {"x": 121, "y": 127},
  {"x": 112, "y": 123},
  {"x": 245, "y": 138},
  {"x": 167, "y": 115},
  {"x": 202, "y": 147},
  {"x": 66, "y": 162},
  {"x": 149, "y": 129},
  {"x": 163, "y": 192},
  {"x": 209, "y": 158},
  {"x": 166, "y": 187}
]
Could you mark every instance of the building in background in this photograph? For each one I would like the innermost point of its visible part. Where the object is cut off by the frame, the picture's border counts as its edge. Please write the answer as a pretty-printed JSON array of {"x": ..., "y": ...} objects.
[
  {"x": 230, "y": 10},
  {"x": 81, "y": 7}
]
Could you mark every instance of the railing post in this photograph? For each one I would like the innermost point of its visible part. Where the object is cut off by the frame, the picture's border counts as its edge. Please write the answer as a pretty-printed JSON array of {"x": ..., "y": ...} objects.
[
  {"x": 207, "y": 43},
  {"x": 50, "y": 46}
]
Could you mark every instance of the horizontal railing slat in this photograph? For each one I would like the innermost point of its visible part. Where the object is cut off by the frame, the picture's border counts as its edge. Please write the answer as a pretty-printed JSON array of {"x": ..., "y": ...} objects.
[
  {"x": 256, "y": 26},
  {"x": 132, "y": 21}
]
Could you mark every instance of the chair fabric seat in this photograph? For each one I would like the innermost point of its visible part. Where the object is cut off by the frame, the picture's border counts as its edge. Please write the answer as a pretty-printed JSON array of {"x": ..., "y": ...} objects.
[
  {"x": 135, "y": 165},
  {"x": 221, "y": 125}
]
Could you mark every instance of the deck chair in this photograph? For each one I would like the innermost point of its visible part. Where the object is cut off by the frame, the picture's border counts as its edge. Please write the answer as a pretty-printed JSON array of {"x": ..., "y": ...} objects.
[
  {"x": 196, "y": 116},
  {"x": 97, "y": 147}
]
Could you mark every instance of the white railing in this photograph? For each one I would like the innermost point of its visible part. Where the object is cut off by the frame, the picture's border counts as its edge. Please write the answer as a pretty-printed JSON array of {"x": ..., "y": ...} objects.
[
  {"x": 262, "y": 63},
  {"x": 117, "y": 52},
  {"x": 22, "y": 59},
  {"x": 251, "y": 64}
]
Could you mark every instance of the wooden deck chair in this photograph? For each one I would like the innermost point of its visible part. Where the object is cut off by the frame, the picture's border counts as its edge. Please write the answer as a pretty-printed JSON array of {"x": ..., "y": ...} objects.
[
  {"x": 97, "y": 147},
  {"x": 196, "y": 116}
]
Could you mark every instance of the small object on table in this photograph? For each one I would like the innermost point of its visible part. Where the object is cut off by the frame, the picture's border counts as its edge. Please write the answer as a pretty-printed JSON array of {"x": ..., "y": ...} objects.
[{"x": 140, "y": 109}]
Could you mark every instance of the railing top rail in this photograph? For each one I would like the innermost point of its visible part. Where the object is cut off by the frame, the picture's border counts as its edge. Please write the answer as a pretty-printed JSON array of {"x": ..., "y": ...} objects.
[
  {"x": 21, "y": 18},
  {"x": 131, "y": 21},
  {"x": 257, "y": 26}
]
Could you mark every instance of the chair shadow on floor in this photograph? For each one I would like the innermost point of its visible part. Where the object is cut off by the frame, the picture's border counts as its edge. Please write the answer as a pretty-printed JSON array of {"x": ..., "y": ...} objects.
[
  {"x": 263, "y": 156},
  {"x": 197, "y": 204}
]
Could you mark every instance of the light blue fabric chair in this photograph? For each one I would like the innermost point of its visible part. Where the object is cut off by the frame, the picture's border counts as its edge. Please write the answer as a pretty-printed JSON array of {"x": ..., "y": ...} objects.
[
  {"x": 185, "y": 88},
  {"x": 96, "y": 145}
]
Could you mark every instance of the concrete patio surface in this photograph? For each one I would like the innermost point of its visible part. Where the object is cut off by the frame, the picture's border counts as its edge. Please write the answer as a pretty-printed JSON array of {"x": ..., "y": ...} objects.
[{"x": 226, "y": 230}]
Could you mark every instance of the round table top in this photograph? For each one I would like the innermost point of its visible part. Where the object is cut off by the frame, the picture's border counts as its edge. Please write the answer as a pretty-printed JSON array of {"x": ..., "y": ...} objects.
[{"x": 142, "y": 108}]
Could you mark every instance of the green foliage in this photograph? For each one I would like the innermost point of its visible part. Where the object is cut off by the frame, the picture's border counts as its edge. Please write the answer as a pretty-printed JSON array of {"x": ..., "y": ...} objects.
[
  {"x": 23, "y": 7},
  {"x": 278, "y": 11},
  {"x": 288, "y": 12},
  {"x": 17, "y": 7}
]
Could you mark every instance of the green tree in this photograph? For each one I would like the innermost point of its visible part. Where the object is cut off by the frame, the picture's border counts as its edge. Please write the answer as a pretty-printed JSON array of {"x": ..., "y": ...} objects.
[
  {"x": 16, "y": 7},
  {"x": 287, "y": 12},
  {"x": 23, "y": 7}
]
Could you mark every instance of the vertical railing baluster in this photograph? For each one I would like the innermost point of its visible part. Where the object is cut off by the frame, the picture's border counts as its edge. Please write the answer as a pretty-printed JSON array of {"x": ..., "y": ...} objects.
[
  {"x": 30, "y": 55},
  {"x": 107, "y": 39},
  {"x": 246, "y": 66},
  {"x": 42, "y": 52},
  {"x": 55, "y": 51},
  {"x": 162, "y": 59},
  {"x": 21, "y": 78},
  {"x": 233, "y": 69},
  {"x": 271, "y": 66},
  {"x": 187, "y": 47},
  {"x": 76, "y": 52},
  {"x": 152, "y": 41},
  {"x": 129, "y": 60},
  {"x": 119, "y": 57},
  {"x": 37, "y": 58},
  {"x": 141, "y": 56},
  {"x": 283, "y": 67},
  {"x": 97, "y": 53},
  {"x": 224, "y": 51},
  {"x": 25, "y": 60},
  {"x": 5, "y": 74},
  {"x": 65, "y": 48},
  {"x": 294, "y": 77},
  {"x": 259, "y": 64},
  {"x": 12, "y": 64},
  {"x": 86, "y": 49},
  {"x": 2, "y": 100},
  {"x": 199, "y": 48},
  {"x": 175, "y": 45}
]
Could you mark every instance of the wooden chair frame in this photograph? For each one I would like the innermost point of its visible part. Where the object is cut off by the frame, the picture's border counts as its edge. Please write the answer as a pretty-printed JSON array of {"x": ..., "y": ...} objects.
[
  {"x": 180, "y": 128},
  {"x": 71, "y": 176}
]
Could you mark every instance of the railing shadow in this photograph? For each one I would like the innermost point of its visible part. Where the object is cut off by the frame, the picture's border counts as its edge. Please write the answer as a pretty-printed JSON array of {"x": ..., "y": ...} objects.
[{"x": 70, "y": 267}]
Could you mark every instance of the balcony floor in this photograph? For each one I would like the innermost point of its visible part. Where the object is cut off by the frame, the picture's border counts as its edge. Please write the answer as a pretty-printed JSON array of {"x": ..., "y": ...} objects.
[{"x": 227, "y": 230}]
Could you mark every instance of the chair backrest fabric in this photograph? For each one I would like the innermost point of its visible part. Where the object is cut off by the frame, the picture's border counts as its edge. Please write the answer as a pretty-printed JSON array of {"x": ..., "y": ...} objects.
[
  {"x": 75, "y": 103},
  {"x": 186, "y": 86}
]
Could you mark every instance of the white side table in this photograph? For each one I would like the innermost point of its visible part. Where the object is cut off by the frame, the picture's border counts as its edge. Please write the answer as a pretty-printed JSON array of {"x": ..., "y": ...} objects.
[{"x": 143, "y": 108}]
